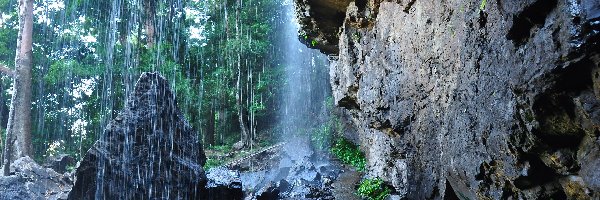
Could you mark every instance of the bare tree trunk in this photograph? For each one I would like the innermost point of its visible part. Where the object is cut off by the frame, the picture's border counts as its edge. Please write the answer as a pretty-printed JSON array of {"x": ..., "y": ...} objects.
[
  {"x": 18, "y": 133},
  {"x": 209, "y": 135},
  {"x": 240, "y": 111},
  {"x": 150, "y": 12}
]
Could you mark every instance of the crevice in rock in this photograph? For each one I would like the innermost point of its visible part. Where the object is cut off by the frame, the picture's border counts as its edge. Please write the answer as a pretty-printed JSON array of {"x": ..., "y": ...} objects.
[
  {"x": 482, "y": 19},
  {"x": 409, "y": 6},
  {"x": 537, "y": 174},
  {"x": 349, "y": 103},
  {"x": 450, "y": 193},
  {"x": 508, "y": 190},
  {"x": 556, "y": 116},
  {"x": 361, "y": 4},
  {"x": 556, "y": 110},
  {"x": 533, "y": 15}
]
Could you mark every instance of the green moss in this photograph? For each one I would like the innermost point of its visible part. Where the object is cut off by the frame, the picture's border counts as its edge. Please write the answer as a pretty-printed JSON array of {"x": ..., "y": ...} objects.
[
  {"x": 349, "y": 154},
  {"x": 373, "y": 189}
]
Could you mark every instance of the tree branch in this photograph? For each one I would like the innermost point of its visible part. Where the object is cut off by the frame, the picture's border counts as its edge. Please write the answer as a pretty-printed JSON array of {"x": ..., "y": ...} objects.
[{"x": 6, "y": 71}]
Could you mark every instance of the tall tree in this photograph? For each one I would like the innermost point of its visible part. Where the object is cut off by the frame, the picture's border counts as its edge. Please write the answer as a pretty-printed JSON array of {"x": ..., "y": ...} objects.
[
  {"x": 149, "y": 12},
  {"x": 18, "y": 133}
]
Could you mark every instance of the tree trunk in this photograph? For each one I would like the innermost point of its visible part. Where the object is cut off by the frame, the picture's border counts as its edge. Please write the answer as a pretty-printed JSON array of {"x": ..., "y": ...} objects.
[
  {"x": 240, "y": 111},
  {"x": 149, "y": 12},
  {"x": 209, "y": 135},
  {"x": 18, "y": 133}
]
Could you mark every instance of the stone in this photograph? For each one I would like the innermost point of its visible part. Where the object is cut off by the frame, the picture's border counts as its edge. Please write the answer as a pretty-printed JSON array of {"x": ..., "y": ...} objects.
[
  {"x": 148, "y": 151},
  {"x": 60, "y": 163},
  {"x": 29, "y": 180},
  {"x": 224, "y": 184},
  {"x": 497, "y": 99}
]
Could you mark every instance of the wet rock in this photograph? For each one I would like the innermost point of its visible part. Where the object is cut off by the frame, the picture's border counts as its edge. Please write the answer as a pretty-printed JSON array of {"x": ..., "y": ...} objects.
[
  {"x": 60, "y": 163},
  {"x": 224, "y": 184},
  {"x": 498, "y": 99},
  {"x": 272, "y": 190},
  {"x": 148, "y": 151},
  {"x": 301, "y": 173},
  {"x": 321, "y": 34},
  {"x": 28, "y": 180}
]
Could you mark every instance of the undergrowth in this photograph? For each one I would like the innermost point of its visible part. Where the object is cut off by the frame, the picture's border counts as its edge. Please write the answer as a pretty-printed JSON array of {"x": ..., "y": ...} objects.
[
  {"x": 349, "y": 154},
  {"x": 373, "y": 189}
]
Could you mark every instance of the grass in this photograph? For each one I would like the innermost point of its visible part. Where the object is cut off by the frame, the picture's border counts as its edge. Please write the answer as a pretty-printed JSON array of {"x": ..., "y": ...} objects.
[
  {"x": 373, "y": 189},
  {"x": 349, "y": 154}
]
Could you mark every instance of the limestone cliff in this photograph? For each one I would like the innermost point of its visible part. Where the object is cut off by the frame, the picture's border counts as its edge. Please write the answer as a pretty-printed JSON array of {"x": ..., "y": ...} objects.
[{"x": 480, "y": 99}]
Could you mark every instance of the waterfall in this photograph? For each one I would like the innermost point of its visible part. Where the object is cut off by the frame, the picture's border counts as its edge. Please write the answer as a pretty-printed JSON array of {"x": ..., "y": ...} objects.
[{"x": 307, "y": 80}]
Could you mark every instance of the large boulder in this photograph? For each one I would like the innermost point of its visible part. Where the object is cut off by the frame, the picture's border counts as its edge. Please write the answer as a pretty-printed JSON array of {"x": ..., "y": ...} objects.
[
  {"x": 28, "y": 180},
  {"x": 149, "y": 151}
]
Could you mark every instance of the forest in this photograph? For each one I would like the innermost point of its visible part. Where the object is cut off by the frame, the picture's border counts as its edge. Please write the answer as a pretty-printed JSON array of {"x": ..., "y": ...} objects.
[{"x": 219, "y": 56}]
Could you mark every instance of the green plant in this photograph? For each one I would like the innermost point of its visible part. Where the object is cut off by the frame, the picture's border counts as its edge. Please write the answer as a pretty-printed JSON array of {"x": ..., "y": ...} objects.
[
  {"x": 314, "y": 43},
  {"x": 373, "y": 189},
  {"x": 482, "y": 5},
  {"x": 222, "y": 148},
  {"x": 349, "y": 154},
  {"x": 212, "y": 163},
  {"x": 356, "y": 37},
  {"x": 70, "y": 168},
  {"x": 321, "y": 137}
]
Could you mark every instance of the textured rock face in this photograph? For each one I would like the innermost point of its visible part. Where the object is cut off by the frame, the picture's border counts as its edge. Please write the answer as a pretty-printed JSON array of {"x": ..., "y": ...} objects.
[
  {"x": 479, "y": 99},
  {"x": 321, "y": 30},
  {"x": 28, "y": 180},
  {"x": 149, "y": 151}
]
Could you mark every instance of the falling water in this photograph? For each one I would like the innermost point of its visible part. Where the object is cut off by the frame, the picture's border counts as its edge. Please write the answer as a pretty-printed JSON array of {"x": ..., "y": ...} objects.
[
  {"x": 307, "y": 80},
  {"x": 303, "y": 111}
]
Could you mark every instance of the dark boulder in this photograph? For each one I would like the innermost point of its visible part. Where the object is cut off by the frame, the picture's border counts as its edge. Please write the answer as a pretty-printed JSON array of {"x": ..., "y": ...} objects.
[
  {"x": 224, "y": 184},
  {"x": 30, "y": 181},
  {"x": 149, "y": 151},
  {"x": 60, "y": 163},
  {"x": 275, "y": 190}
]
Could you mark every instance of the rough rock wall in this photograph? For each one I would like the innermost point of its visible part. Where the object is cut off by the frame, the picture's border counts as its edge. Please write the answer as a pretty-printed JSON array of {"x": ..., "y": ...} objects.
[{"x": 479, "y": 99}]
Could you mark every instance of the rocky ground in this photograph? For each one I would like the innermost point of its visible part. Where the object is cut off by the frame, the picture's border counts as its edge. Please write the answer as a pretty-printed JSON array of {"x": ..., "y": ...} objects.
[
  {"x": 30, "y": 181},
  {"x": 296, "y": 171}
]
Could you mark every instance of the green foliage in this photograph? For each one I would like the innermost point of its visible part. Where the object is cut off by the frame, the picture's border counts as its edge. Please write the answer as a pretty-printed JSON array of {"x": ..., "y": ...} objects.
[
  {"x": 203, "y": 74},
  {"x": 70, "y": 168},
  {"x": 212, "y": 163},
  {"x": 224, "y": 148},
  {"x": 349, "y": 154},
  {"x": 373, "y": 189},
  {"x": 321, "y": 137},
  {"x": 482, "y": 5}
]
